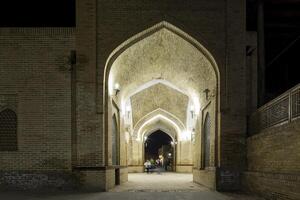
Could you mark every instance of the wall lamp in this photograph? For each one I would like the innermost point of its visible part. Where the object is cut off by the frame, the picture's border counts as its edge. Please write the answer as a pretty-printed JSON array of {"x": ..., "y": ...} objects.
[
  {"x": 206, "y": 91},
  {"x": 116, "y": 88},
  {"x": 192, "y": 111},
  {"x": 193, "y": 135},
  {"x": 173, "y": 143},
  {"x": 128, "y": 109}
]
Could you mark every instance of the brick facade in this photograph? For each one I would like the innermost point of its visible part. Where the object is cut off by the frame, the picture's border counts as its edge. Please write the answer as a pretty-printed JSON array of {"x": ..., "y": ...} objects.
[
  {"x": 273, "y": 158},
  {"x": 63, "y": 124},
  {"x": 34, "y": 68}
]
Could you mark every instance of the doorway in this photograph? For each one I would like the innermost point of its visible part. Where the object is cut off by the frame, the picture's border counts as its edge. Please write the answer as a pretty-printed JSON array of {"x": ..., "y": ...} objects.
[{"x": 159, "y": 145}]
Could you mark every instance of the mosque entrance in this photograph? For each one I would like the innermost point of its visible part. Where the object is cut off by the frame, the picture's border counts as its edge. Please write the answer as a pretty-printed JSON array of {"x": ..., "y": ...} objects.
[
  {"x": 160, "y": 85},
  {"x": 159, "y": 150}
]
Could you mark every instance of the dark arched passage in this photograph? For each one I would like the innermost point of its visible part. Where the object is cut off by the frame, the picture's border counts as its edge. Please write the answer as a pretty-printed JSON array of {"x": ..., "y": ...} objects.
[{"x": 157, "y": 145}]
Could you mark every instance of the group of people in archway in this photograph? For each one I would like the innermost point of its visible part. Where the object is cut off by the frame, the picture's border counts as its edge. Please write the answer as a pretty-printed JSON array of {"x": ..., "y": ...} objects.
[{"x": 159, "y": 165}]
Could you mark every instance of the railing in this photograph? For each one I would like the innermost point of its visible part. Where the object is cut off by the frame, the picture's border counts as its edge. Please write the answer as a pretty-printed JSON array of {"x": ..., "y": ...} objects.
[{"x": 282, "y": 109}]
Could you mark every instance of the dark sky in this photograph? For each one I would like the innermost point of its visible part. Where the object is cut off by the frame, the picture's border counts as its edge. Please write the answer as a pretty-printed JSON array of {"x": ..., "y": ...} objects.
[
  {"x": 32, "y": 13},
  {"x": 282, "y": 28},
  {"x": 155, "y": 141}
]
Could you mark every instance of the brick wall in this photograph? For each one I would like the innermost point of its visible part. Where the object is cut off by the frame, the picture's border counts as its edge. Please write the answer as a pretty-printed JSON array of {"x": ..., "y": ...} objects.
[
  {"x": 89, "y": 129},
  {"x": 34, "y": 68},
  {"x": 274, "y": 162},
  {"x": 38, "y": 180}
]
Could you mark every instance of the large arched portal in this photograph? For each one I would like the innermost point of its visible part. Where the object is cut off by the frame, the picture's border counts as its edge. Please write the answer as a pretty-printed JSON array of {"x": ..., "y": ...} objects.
[{"x": 162, "y": 79}]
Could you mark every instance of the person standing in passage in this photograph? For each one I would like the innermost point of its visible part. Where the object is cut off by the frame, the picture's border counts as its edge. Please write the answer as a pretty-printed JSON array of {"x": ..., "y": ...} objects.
[
  {"x": 158, "y": 165},
  {"x": 147, "y": 165},
  {"x": 162, "y": 162}
]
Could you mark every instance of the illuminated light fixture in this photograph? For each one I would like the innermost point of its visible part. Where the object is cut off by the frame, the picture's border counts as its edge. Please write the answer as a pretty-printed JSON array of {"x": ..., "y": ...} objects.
[
  {"x": 185, "y": 135},
  {"x": 206, "y": 91},
  {"x": 192, "y": 111},
  {"x": 128, "y": 109},
  {"x": 116, "y": 88},
  {"x": 192, "y": 108},
  {"x": 145, "y": 138},
  {"x": 173, "y": 143},
  {"x": 193, "y": 135},
  {"x": 195, "y": 106}
]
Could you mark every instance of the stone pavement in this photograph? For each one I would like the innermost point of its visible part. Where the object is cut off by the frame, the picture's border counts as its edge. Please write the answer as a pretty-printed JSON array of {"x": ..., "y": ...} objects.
[
  {"x": 163, "y": 182},
  {"x": 165, "y": 186}
]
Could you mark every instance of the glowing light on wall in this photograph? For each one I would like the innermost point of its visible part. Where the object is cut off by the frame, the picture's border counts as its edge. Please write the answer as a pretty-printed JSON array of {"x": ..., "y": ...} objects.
[
  {"x": 185, "y": 135},
  {"x": 113, "y": 87},
  {"x": 110, "y": 85},
  {"x": 196, "y": 102},
  {"x": 127, "y": 137},
  {"x": 117, "y": 86},
  {"x": 192, "y": 108},
  {"x": 123, "y": 108}
]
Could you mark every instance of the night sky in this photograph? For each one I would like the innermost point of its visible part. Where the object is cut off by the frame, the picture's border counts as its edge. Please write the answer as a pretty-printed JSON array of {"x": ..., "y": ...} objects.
[
  {"x": 155, "y": 141},
  {"x": 37, "y": 13},
  {"x": 282, "y": 27}
]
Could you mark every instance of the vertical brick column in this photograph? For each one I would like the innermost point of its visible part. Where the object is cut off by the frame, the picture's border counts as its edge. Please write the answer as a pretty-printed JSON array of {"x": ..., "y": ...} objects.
[{"x": 233, "y": 113}]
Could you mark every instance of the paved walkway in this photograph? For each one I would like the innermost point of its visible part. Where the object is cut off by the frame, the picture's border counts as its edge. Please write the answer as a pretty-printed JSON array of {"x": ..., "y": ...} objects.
[
  {"x": 164, "y": 182},
  {"x": 165, "y": 186}
]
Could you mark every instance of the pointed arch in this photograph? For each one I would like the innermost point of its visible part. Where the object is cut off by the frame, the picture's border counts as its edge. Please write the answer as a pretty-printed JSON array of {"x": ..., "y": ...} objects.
[
  {"x": 144, "y": 34},
  {"x": 153, "y": 130},
  {"x": 158, "y": 114},
  {"x": 160, "y": 125},
  {"x": 164, "y": 24},
  {"x": 140, "y": 36}
]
